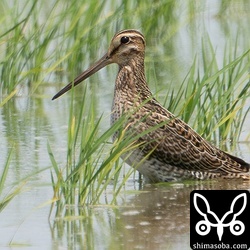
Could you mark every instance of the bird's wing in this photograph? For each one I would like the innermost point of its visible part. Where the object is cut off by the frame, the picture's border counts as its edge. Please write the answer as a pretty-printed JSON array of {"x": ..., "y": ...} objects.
[{"x": 175, "y": 143}]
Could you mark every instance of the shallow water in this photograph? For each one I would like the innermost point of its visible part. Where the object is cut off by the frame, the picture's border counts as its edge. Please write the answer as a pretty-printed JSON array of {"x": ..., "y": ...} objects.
[
  {"x": 151, "y": 217},
  {"x": 156, "y": 217}
]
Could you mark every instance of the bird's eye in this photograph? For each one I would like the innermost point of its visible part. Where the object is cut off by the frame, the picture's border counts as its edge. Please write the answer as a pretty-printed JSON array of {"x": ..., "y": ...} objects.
[{"x": 125, "y": 39}]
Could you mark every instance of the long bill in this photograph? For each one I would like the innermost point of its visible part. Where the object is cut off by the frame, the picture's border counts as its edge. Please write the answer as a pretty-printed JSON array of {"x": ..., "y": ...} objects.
[{"x": 104, "y": 61}]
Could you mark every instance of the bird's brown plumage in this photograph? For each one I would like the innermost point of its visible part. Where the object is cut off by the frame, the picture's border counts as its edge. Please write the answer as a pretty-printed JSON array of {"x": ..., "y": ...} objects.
[{"x": 173, "y": 150}]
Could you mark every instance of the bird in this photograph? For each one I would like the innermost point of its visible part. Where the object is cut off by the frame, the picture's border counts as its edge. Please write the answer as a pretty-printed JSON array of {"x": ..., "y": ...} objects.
[{"x": 168, "y": 148}]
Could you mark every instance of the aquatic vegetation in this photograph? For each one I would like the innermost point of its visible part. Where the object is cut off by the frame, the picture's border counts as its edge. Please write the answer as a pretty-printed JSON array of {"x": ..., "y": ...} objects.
[
  {"x": 92, "y": 161},
  {"x": 7, "y": 192},
  {"x": 213, "y": 101}
]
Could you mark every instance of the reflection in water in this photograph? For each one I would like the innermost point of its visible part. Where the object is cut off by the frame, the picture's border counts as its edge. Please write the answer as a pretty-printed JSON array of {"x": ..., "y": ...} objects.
[{"x": 157, "y": 217}]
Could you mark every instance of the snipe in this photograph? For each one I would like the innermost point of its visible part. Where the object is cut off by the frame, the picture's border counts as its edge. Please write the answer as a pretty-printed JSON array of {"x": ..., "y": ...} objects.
[{"x": 174, "y": 150}]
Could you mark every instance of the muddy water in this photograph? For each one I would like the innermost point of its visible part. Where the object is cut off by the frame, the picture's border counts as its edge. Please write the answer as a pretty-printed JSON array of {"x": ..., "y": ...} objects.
[{"x": 156, "y": 217}]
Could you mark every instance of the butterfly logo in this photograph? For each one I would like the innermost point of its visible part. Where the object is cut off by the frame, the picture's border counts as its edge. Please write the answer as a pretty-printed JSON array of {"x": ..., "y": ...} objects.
[{"x": 203, "y": 227}]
